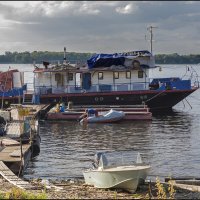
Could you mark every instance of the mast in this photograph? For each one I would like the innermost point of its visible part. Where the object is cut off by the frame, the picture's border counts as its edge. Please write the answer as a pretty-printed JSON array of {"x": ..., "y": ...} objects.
[
  {"x": 64, "y": 59},
  {"x": 150, "y": 29}
]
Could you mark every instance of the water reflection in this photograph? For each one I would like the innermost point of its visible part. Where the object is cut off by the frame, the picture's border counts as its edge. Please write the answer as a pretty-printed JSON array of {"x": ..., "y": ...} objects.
[{"x": 168, "y": 143}]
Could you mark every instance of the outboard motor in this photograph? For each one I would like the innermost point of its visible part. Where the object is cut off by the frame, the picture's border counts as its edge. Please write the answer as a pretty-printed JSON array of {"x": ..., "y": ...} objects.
[{"x": 97, "y": 158}]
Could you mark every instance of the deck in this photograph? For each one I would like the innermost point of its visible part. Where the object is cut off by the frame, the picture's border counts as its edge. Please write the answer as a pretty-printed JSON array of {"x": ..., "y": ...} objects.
[
  {"x": 36, "y": 111},
  {"x": 10, "y": 154},
  {"x": 13, "y": 153}
]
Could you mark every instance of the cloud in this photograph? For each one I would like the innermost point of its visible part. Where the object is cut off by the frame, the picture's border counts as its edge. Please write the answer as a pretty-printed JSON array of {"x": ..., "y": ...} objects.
[
  {"x": 99, "y": 26},
  {"x": 126, "y": 9}
]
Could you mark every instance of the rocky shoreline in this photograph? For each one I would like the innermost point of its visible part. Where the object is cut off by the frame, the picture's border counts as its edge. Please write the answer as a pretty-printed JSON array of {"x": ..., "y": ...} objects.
[{"x": 77, "y": 189}]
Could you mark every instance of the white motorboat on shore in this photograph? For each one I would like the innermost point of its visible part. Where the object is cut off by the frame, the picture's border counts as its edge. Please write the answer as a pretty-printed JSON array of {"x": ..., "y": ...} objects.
[{"x": 106, "y": 176}]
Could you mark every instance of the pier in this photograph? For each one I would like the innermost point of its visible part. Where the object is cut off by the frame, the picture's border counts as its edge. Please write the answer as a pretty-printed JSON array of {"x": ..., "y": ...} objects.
[
  {"x": 14, "y": 155},
  {"x": 35, "y": 111},
  {"x": 20, "y": 142}
]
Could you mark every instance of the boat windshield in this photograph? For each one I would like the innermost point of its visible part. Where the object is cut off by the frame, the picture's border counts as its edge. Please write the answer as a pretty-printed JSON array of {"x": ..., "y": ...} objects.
[{"x": 111, "y": 159}]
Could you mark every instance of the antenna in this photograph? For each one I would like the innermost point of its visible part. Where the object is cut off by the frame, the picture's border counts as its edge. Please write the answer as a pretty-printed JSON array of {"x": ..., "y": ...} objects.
[
  {"x": 64, "y": 55},
  {"x": 150, "y": 29}
]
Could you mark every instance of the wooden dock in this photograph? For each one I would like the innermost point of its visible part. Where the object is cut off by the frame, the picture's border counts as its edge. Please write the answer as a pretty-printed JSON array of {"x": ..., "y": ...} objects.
[
  {"x": 36, "y": 111},
  {"x": 7, "y": 174},
  {"x": 11, "y": 162},
  {"x": 11, "y": 156},
  {"x": 14, "y": 157}
]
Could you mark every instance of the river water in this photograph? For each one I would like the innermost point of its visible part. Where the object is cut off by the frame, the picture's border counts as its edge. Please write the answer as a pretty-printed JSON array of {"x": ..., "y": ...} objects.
[{"x": 170, "y": 142}]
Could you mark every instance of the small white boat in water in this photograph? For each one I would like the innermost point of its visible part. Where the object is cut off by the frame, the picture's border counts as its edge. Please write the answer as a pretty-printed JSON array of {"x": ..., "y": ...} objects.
[
  {"x": 125, "y": 177},
  {"x": 108, "y": 117}
]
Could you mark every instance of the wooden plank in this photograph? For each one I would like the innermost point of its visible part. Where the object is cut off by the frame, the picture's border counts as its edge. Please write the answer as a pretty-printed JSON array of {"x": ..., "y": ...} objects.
[
  {"x": 6, "y": 173},
  {"x": 6, "y": 153},
  {"x": 8, "y": 141},
  {"x": 16, "y": 153},
  {"x": 193, "y": 188},
  {"x": 189, "y": 182}
]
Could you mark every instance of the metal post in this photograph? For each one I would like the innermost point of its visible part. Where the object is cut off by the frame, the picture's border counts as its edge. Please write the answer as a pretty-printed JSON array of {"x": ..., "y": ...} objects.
[{"x": 150, "y": 29}]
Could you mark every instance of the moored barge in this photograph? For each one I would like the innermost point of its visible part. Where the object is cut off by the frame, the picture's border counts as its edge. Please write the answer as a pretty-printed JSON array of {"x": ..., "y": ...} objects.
[{"x": 110, "y": 79}]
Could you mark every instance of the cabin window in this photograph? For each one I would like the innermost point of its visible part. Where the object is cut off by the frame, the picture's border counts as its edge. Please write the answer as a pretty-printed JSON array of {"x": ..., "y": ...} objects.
[
  {"x": 116, "y": 75},
  {"x": 78, "y": 80},
  {"x": 128, "y": 74},
  {"x": 140, "y": 74},
  {"x": 100, "y": 75},
  {"x": 70, "y": 76}
]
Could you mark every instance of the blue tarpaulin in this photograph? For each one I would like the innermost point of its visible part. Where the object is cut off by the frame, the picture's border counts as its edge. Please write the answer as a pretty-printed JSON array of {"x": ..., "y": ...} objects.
[
  {"x": 13, "y": 92},
  {"x": 107, "y": 60}
]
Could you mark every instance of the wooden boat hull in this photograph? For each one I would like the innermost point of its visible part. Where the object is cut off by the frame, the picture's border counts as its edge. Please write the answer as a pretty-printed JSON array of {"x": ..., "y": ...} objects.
[
  {"x": 75, "y": 116},
  {"x": 131, "y": 113}
]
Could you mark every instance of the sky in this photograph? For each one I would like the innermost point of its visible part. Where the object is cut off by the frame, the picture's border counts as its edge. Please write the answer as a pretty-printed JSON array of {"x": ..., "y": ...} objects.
[{"x": 100, "y": 26}]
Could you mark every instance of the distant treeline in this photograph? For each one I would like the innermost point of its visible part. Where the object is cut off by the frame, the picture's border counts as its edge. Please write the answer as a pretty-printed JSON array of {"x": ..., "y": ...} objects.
[
  {"x": 53, "y": 57},
  {"x": 177, "y": 59},
  {"x": 40, "y": 56}
]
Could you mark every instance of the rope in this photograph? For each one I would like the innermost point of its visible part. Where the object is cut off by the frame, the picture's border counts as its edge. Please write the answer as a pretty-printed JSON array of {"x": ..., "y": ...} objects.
[
  {"x": 188, "y": 103},
  {"x": 183, "y": 104},
  {"x": 155, "y": 96}
]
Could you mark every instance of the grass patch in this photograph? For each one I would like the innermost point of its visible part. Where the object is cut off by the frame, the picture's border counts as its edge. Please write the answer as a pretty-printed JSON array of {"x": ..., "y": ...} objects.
[{"x": 16, "y": 193}]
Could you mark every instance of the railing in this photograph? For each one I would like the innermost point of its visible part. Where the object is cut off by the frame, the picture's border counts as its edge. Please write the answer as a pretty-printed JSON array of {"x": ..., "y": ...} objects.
[
  {"x": 94, "y": 88},
  {"x": 192, "y": 75},
  {"x": 156, "y": 84}
]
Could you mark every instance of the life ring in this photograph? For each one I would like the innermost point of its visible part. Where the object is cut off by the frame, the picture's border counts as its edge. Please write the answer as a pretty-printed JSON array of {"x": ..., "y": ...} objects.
[
  {"x": 96, "y": 99},
  {"x": 136, "y": 64}
]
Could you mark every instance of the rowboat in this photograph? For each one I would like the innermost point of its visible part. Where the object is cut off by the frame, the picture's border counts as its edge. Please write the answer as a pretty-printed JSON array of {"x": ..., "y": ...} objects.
[{"x": 106, "y": 176}]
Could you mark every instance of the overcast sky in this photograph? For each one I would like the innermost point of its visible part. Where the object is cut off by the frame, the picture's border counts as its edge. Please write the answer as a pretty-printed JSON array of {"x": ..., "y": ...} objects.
[{"x": 100, "y": 26}]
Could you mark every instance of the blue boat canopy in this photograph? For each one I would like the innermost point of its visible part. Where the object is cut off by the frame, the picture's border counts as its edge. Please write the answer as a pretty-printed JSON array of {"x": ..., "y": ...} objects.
[{"x": 107, "y": 60}]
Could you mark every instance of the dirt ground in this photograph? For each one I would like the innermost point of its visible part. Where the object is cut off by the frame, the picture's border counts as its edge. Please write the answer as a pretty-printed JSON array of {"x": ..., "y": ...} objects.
[{"x": 77, "y": 189}]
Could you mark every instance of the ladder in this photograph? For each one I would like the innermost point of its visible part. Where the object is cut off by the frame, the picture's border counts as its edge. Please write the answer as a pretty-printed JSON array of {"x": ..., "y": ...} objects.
[{"x": 27, "y": 98}]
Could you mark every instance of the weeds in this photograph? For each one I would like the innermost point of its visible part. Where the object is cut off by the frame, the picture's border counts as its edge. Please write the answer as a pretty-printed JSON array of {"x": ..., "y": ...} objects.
[
  {"x": 161, "y": 191},
  {"x": 171, "y": 190},
  {"x": 16, "y": 193}
]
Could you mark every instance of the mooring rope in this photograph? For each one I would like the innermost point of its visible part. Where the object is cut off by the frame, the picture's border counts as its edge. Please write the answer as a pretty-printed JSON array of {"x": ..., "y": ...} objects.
[{"x": 154, "y": 96}]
